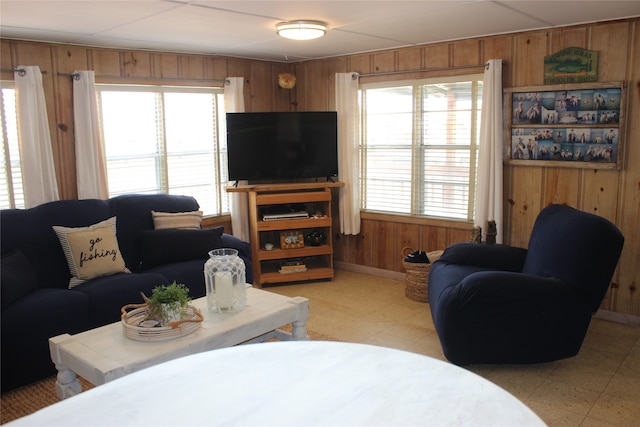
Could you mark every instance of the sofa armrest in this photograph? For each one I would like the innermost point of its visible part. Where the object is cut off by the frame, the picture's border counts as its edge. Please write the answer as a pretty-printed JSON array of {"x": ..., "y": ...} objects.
[
  {"x": 243, "y": 248},
  {"x": 244, "y": 252},
  {"x": 499, "y": 257}
]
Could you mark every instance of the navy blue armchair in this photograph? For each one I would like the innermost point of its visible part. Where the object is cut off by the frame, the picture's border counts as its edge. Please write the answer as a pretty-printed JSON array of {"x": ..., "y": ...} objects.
[{"x": 495, "y": 304}]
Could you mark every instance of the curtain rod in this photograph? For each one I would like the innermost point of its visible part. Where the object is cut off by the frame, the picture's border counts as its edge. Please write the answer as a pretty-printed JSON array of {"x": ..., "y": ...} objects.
[
  {"x": 356, "y": 75},
  {"x": 21, "y": 71},
  {"x": 76, "y": 76}
]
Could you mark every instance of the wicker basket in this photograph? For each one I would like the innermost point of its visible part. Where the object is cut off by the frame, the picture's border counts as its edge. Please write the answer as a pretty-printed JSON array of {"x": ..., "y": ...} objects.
[
  {"x": 131, "y": 319},
  {"x": 417, "y": 276}
]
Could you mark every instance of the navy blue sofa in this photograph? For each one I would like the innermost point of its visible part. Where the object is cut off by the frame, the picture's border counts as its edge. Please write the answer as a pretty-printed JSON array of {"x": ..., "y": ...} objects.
[
  {"x": 497, "y": 304},
  {"x": 36, "y": 300}
]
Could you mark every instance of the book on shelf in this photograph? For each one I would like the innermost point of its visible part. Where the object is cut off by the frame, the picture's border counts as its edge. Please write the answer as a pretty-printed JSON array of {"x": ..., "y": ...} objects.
[
  {"x": 292, "y": 262},
  {"x": 293, "y": 267},
  {"x": 293, "y": 270}
]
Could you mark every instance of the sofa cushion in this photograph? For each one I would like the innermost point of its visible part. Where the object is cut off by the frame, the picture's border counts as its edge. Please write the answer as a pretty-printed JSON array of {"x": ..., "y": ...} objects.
[
  {"x": 28, "y": 324},
  {"x": 174, "y": 245},
  {"x": 182, "y": 220},
  {"x": 107, "y": 295},
  {"x": 134, "y": 215},
  {"x": 91, "y": 251},
  {"x": 18, "y": 277},
  {"x": 30, "y": 230},
  {"x": 190, "y": 273}
]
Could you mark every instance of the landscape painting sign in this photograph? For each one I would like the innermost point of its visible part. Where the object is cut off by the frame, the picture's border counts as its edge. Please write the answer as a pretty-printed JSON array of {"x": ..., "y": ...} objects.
[{"x": 571, "y": 65}]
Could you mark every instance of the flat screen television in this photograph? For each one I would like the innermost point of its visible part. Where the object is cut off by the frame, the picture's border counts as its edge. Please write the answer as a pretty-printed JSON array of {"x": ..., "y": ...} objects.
[{"x": 282, "y": 145}]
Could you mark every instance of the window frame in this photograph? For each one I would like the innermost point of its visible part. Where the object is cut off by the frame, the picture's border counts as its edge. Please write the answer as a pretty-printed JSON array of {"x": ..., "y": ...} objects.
[
  {"x": 162, "y": 155},
  {"x": 419, "y": 149},
  {"x": 12, "y": 167}
]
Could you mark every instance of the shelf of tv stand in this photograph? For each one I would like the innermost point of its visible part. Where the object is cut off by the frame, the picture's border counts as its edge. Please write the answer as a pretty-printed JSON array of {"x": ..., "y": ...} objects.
[
  {"x": 294, "y": 224},
  {"x": 317, "y": 259},
  {"x": 310, "y": 274},
  {"x": 307, "y": 251}
]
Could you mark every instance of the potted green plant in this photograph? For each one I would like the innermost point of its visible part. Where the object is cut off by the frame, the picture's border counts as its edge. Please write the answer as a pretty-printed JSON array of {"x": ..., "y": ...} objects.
[{"x": 168, "y": 302}]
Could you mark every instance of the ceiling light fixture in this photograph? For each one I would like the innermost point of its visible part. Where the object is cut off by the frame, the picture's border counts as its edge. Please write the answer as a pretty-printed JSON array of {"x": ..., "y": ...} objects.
[{"x": 301, "y": 29}]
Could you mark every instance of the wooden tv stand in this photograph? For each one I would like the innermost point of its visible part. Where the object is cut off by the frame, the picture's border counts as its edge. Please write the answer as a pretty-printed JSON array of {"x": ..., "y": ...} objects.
[{"x": 318, "y": 260}]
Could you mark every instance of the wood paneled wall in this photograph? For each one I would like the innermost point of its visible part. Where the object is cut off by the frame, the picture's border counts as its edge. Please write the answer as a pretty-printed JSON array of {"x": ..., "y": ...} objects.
[
  {"x": 614, "y": 194},
  {"x": 57, "y": 62}
]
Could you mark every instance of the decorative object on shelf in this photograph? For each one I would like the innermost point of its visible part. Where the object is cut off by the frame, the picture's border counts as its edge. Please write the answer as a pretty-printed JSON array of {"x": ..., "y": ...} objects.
[
  {"x": 291, "y": 240},
  {"x": 476, "y": 234},
  {"x": 579, "y": 125},
  {"x": 268, "y": 246},
  {"x": 167, "y": 303},
  {"x": 225, "y": 280},
  {"x": 286, "y": 80},
  {"x": 318, "y": 214},
  {"x": 316, "y": 238},
  {"x": 492, "y": 231}
]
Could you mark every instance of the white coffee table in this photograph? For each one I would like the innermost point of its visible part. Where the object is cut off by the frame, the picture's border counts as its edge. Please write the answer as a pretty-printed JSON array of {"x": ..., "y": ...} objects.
[
  {"x": 103, "y": 354},
  {"x": 306, "y": 383}
]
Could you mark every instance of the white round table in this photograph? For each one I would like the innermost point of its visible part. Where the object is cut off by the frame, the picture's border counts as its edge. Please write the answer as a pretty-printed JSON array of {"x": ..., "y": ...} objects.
[{"x": 293, "y": 384}]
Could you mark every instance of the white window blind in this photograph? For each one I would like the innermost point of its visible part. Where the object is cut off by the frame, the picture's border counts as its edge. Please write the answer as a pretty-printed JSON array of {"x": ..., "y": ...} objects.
[
  {"x": 419, "y": 146},
  {"x": 11, "y": 192},
  {"x": 165, "y": 140}
]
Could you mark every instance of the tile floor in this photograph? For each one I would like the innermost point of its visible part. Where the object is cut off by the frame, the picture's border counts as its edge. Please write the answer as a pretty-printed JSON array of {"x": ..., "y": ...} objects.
[{"x": 598, "y": 387}]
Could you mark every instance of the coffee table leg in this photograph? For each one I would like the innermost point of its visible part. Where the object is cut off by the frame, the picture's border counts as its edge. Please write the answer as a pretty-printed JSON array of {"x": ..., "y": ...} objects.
[
  {"x": 299, "y": 331},
  {"x": 67, "y": 383}
]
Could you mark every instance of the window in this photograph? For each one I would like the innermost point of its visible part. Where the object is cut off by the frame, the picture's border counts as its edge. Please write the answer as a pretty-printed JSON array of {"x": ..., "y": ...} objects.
[
  {"x": 165, "y": 140},
  {"x": 11, "y": 193},
  {"x": 419, "y": 146}
]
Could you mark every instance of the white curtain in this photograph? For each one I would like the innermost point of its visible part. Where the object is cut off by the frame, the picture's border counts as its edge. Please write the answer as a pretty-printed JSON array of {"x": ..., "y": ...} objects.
[
  {"x": 234, "y": 103},
  {"x": 348, "y": 158},
  {"x": 38, "y": 170},
  {"x": 489, "y": 203},
  {"x": 91, "y": 166}
]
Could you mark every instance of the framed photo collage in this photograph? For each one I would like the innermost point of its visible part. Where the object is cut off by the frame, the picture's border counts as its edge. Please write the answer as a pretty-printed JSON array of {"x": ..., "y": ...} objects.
[{"x": 578, "y": 125}]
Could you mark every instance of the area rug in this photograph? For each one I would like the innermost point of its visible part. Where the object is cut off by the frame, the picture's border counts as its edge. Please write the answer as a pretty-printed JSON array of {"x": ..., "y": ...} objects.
[
  {"x": 33, "y": 397},
  {"x": 30, "y": 398}
]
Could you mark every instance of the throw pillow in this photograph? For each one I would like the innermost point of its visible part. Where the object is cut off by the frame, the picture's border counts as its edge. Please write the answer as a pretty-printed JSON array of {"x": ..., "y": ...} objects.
[
  {"x": 160, "y": 247},
  {"x": 18, "y": 277},
  {"x": 91, "y": 251},
  {"x": 183, "y": 220}
]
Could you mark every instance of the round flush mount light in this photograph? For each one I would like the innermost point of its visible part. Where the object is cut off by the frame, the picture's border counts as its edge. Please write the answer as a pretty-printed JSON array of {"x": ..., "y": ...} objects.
[{"x": 301, "y": 29}]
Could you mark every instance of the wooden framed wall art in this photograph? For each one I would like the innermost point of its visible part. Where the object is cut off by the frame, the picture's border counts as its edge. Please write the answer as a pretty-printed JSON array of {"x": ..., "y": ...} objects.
[{"x": 578, "y": 125}]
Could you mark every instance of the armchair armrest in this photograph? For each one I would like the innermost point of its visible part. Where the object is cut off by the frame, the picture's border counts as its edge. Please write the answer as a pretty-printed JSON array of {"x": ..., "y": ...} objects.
[
  {"x": 505, "y": 287},
  {"x": 519, "y": 304},
  {"x": 507, "y": 317},
  {"x": 499, "y": 257},
  {"x": 481, "y": 292}
]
